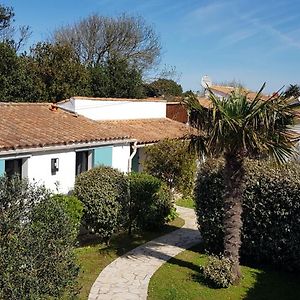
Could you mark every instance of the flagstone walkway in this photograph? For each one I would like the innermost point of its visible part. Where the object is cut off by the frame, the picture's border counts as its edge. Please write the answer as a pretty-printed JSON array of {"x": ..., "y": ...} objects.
[{"x": 127, "y": 277}]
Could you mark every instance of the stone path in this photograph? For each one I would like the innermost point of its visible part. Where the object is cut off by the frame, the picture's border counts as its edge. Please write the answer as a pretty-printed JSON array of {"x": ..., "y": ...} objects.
[{"x": 127, "y": 278}]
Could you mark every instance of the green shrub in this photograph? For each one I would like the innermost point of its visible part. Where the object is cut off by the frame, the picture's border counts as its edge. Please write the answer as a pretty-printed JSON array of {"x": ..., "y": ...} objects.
[
  {"x": 36, "y": 244},
  {"x": 173, "y": 214},
  {"x": 271, "y": 211},
  {"x": 103, "y": 192},
  {"x": 73, "y": 207},
  {"x": 218, "y": 271},
  {"x": 172, "y": 162},
  {"x": 150, "y": 201}
]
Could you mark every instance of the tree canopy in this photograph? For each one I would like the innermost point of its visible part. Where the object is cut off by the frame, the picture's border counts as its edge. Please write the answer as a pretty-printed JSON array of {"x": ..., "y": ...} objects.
[
  {"x": 163, "y": 87},
  {"x": 97, "y": 38},
  {"x": 98, "y": 56},
  {"x": 293, "y": 91},
  {"x": 16, "y": 37}
]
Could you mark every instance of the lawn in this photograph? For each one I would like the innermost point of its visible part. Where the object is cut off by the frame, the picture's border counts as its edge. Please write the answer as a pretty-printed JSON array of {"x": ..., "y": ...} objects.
[
  {"x": 186, "y": 202},
  {"x": 94, "y": 256},
  {"x": 179, "y": 279}
]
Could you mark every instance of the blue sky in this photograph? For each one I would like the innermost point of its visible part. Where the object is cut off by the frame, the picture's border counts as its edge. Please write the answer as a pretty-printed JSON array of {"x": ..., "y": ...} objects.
[{"x": 249, "y": 41}]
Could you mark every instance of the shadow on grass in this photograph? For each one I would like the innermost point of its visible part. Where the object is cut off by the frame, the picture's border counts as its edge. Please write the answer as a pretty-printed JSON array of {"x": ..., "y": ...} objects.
[
  {"x": 269, "y": 283},
  {"x": 122, "y": 242},
  {"x": 273, "y": 284}
]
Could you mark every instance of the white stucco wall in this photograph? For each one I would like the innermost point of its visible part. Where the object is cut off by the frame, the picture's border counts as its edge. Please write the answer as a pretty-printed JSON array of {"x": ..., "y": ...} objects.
[
  {"x": 120, "y": 156},
  {"x": 37, "y": 166},
  {"x": 39, "y": 170},
  {"x": 116, "y": 110}
]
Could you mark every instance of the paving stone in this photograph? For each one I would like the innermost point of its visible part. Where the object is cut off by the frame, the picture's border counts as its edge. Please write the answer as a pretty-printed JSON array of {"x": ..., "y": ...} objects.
[{"x": 128, "y": 276}]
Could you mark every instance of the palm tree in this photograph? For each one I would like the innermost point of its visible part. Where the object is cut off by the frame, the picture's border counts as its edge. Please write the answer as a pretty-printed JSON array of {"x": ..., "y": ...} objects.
[
  {"x": 292, "y": 91},
  {"x": 236, "y": 128}
]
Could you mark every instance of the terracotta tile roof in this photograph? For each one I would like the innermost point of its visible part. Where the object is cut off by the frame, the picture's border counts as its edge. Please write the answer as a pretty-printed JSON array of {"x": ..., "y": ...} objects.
[
  {"x": 151, "y": 130},
  {"x": 228, "y": 89},
  {"x": 153, "y": 99},
  {"x": 36, "y": 125},
  {"x": 205, "y": 102},
  {"x": 25, "y": 125}
]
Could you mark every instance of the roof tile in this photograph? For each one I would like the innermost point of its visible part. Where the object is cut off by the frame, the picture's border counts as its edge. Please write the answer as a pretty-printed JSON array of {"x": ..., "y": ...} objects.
[{"x": 33, "y": 125}]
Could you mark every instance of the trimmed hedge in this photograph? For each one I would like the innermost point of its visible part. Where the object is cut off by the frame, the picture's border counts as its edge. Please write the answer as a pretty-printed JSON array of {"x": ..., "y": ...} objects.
[
  {"x": 150, "y": 201},
  {"x": 36, "y": 244},
  {"x": 103, "y": 192},
  {"x": 271, "y": 211}
]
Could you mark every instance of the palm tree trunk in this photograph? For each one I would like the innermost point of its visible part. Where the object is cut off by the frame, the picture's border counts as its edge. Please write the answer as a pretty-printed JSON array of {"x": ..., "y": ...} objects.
[{"x": 233, "y": 177}]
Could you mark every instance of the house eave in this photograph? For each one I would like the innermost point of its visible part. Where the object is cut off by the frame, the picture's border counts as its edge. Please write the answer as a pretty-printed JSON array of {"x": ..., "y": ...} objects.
[{"x": 74, "y": 146}]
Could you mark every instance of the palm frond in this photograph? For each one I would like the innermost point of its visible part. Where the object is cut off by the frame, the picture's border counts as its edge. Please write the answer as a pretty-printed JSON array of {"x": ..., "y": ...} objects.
[{"x": 235, "y": 124}]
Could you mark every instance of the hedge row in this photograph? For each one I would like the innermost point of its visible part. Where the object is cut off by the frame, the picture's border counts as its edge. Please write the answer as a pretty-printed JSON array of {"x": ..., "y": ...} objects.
[{"x": 271, "y": 211}]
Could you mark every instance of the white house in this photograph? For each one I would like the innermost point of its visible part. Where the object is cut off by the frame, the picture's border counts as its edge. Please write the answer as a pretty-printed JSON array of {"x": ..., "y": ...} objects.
[{"x": 51, "y": 144}]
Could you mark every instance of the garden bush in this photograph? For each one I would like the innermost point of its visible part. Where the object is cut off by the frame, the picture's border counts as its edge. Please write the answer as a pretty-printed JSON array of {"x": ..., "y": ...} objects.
[
  {"x": 218, "y": 271},
  {"x": 73, "y": 207},
  {"x": 36, "y": 244},
  {"x": 103, "y": 192},
  {"x": 172, "y": 162},
  {"x": 150, "y": 202},
  {"x": 271, "y": 211}
]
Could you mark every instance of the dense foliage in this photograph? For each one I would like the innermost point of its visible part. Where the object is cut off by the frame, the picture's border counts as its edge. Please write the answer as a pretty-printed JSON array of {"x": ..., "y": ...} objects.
[
  {"x": 36, "y": 243},
  {"x": 13, "y": 77},
  {"x": 163, "y": 87},
  {"x": 173, "y": 163},
  {"x": 236, "y": 128},
  {"x": 103, "y": 192},
  {"x": 116, "y": 78},
  {"x": 217, "y": 271},
  {"x": 97, "y": 57},
  {"x": 150, "y": 202},
  {"x": 271, "y": 210},
  {"x": 52, "y": 72},
  {"x": 73, "y": 207}
]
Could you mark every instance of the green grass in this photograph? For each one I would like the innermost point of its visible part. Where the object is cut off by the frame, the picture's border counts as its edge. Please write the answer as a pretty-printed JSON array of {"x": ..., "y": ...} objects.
[
  {"x": 180, "y": 279},
  {"x": 94, "y": 256},
  {"x": 186, "y": 202}
]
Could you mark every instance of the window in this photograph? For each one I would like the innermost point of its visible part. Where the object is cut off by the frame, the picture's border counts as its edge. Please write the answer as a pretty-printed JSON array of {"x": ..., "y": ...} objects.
[
  {"x": 82, "y": 161},
  {"x": 54, "y": 166},
  {"x": 102, "y": 156},
  {"x": 13, "y": 167}
]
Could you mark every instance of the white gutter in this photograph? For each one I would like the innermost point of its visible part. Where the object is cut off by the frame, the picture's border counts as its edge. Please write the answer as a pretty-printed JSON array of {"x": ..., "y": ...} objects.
[
  {"x": 134, "y": 148},
  {"x": 81, "y": 146}
]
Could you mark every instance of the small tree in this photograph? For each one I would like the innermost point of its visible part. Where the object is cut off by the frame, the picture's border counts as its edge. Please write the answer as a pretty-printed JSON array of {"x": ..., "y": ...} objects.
[
  {"x": 293, "y": 90},
  {"x": 103, "y": 192},
  {"x": 235, "y": 129},
  {"x": 36, "y": 243},
  {"x": 170, "y": 161}
]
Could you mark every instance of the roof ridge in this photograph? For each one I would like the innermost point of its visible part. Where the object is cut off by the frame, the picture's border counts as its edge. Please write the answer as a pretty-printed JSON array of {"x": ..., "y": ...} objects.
[
  {"x": 25, "y": 103},
  {"x": 133, "y": 120},
  {"x": 148, "y": 99}
]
